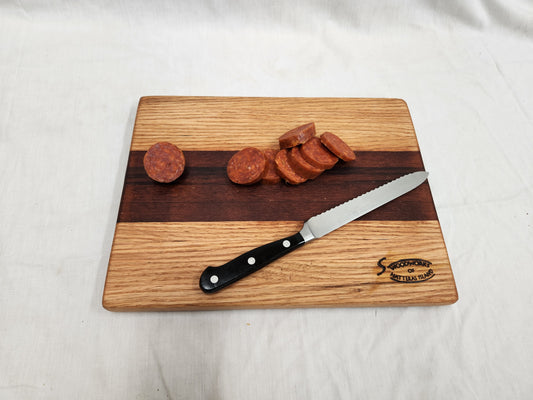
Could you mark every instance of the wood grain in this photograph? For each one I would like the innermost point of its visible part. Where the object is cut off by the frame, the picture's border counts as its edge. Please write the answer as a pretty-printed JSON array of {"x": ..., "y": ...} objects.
[
  {"x": 156, "y": 266},
  {"x": 167, "y": 234},
  {"x": 231, "y": 123},
  {"x": 204, "y": 193}
]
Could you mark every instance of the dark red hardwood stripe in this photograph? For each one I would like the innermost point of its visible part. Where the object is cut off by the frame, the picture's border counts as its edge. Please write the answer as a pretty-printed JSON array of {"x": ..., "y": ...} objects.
[{"x": 204, "y": 193}]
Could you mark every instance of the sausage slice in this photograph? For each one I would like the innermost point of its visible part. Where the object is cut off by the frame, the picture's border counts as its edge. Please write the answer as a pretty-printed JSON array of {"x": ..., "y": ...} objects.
[
  {"x": 317, "y": 155},
  {"x": 164, "y": 162},
  {"x": 302, "y": 167},
  {"x": 246, "y": 166},
  {"x": 285, "y": 169},
  {"x": 296, "y": 136},
  {"x": 270, "y": 175},
  {"x": 337, "y": 146}
]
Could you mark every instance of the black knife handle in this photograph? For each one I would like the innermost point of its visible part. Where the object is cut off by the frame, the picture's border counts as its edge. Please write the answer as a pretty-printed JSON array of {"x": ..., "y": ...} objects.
[{"x": 215, "y": 278}]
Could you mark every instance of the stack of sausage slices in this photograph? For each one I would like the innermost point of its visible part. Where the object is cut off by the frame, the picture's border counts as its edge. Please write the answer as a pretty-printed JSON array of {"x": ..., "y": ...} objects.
[{"x": 302, "y": 156}]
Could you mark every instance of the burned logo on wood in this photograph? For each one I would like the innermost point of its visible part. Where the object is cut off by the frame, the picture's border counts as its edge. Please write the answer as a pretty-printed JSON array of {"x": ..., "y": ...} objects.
[{"x": 408, "y": 270}]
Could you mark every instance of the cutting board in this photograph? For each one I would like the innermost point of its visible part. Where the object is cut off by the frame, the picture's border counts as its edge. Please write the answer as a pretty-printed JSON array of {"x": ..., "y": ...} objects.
[{"x": 167, "y": 234}]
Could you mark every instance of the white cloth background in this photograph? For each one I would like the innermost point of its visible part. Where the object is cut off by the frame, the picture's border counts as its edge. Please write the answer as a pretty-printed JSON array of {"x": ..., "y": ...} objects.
[{"x": 71, "y": 74}]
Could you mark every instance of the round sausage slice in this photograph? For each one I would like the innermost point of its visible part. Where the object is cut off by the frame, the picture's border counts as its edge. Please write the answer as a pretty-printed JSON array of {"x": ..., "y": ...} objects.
[
  {"x": 302, "y": 167},
  {"x": 270, "y": 176},
  {"x": 317, "y": 155},
  {"x": 285, "y": 169},
  {"x": 337, "y": 146},
  {"x": 296, "y": 136},
  {"x": 164, "y": 162},
  {"x": 246, "y": 166}
]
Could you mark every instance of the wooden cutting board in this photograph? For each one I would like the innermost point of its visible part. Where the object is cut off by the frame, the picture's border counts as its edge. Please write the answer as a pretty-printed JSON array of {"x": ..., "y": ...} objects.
[{"x": 167, "y": 234}]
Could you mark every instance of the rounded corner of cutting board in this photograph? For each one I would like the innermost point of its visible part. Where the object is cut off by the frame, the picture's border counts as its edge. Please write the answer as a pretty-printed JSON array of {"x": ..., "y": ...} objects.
[
  {"x": 106, "y": 304},
  {"x": 455, "y": 296},
  {"x": 403, "y": 102}
]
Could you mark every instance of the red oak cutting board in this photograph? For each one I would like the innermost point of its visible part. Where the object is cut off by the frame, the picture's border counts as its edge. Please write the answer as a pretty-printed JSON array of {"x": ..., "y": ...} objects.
[{"x": 167, "y": 234}]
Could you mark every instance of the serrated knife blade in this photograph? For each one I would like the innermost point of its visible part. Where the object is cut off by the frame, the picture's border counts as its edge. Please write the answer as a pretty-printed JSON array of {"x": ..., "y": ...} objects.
[
  {"x": 216, "y": 278},
  {"x": 335, "y": 217}
]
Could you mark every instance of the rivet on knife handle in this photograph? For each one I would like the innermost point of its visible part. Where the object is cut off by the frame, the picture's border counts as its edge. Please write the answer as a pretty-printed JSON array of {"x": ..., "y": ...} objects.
[{"x": 215, "y": 278}]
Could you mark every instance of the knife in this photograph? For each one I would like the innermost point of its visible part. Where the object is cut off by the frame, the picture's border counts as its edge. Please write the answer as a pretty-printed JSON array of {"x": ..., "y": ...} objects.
[{"x": 216, "y": 278}]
